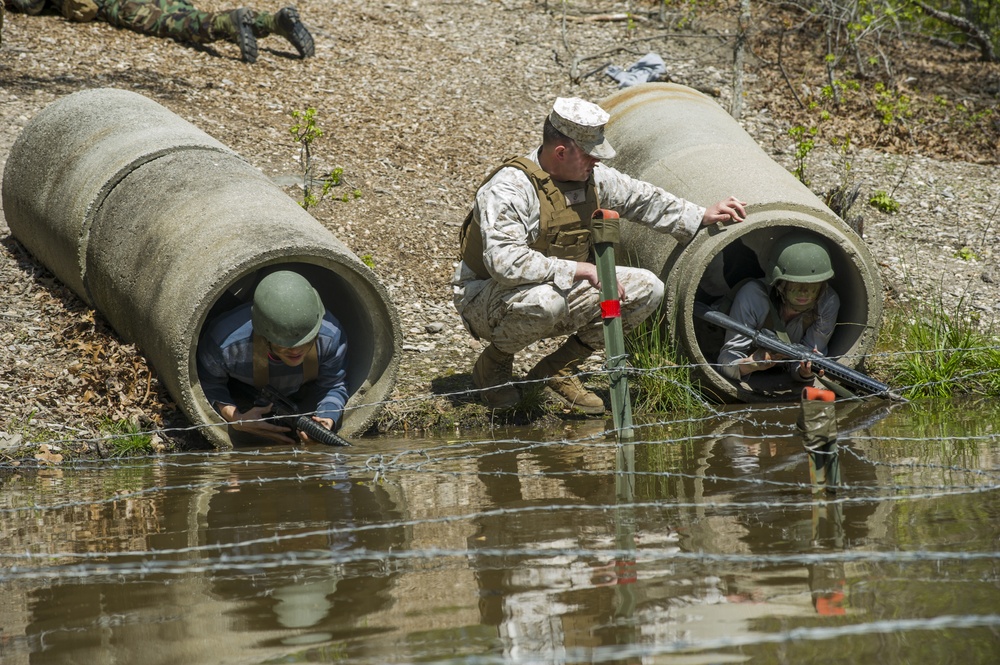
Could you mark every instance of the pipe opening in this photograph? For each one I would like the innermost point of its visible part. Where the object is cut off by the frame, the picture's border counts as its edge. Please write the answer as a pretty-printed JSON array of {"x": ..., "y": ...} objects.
[
  {"x": 369, "y": 344},
  {"x": 744, "y": 257}
]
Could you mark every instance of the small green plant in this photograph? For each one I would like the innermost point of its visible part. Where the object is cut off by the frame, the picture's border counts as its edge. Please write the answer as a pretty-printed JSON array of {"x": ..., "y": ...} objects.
[
  {"x": 892, "y": 107},
  {"x": 368, "y": 260},
  {"x": 967, "y": 254},
  {"x": 125, "y": 438},
  {"x": 881, "y": 200},
  {"x": 305, "y": 131},
  {"x": 805, "y": 143}
]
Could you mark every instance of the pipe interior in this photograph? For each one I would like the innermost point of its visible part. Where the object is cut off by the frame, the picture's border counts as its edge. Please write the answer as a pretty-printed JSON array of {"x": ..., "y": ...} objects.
[
  {"x": 745, "y": 257},
  {"x": 338, "y": 295}
]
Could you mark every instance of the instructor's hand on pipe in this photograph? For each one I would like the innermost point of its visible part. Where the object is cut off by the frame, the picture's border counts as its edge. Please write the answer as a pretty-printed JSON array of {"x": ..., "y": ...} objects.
[
  {"x": 588, "y": 271},
  {"x": 729, "y": 210}
]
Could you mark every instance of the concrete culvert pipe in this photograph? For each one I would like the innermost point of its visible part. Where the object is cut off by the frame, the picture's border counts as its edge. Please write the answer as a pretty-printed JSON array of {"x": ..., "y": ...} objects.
[
  {"x": 681, "y": 140},
  {"x": 160, "y": 227}
]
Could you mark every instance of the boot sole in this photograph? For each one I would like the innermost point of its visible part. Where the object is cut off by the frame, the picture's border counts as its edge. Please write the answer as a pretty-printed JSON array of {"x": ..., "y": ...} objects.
[
  {"x": 245, "y": 38},
  {"x": 298, "y": 35}
]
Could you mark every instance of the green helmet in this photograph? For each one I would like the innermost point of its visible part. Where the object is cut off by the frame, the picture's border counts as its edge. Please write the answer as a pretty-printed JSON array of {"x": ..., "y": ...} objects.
[
  {"x": 286, "y": 310},
  {"x": 799, "y": 257}
]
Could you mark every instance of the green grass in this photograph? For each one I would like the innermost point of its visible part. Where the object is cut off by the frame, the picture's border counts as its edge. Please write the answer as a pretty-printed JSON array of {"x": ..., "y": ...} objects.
[
  {"x": 659, "y": 384},
  {"x": 932, "y": 351},
  {"x": 123, "y": 438}
]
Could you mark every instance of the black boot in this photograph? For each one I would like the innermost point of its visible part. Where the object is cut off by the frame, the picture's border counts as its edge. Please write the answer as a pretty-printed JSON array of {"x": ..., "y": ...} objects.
[
  {"x": 288, "y": 25},
  {"x": 242, "y": 34}
]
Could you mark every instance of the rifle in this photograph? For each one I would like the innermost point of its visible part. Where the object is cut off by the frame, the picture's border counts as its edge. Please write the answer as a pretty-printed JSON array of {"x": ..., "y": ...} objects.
[
  {"x": 287, "y": 414},
  {"x": 768, "y": 340}
]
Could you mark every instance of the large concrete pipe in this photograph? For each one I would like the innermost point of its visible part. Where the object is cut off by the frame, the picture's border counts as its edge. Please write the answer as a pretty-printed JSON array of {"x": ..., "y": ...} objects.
[
  {"x": 683, "y": 141},
  {"x": 160, "y": 227}
]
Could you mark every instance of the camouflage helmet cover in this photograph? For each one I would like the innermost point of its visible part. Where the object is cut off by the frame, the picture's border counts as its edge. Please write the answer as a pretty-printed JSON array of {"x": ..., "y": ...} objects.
[
  {"x": 799, "y": 257},
  {"x": 286, "y": 309}
]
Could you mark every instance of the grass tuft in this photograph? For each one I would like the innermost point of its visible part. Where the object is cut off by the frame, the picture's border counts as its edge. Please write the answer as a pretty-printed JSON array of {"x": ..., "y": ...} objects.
[
  {"x": 660, "y": 382},
  {"x": 933, "y": 351}
]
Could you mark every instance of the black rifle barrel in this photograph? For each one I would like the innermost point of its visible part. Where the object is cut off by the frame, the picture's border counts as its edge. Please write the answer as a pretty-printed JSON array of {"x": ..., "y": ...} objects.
[{"x": 767, "y": 339}]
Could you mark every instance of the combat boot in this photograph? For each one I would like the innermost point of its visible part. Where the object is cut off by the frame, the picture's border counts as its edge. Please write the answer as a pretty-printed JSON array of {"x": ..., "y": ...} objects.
[
  {"x": 288, "y": 25},
  {"x": 560, "y": 368},
  {"x": 237, "y": 26},
  {"x": 492, "y": 371}
]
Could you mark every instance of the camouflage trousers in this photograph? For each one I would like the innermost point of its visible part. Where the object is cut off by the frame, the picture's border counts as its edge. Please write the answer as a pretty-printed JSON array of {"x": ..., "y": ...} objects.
[
  {"x": 175, "y": 19},
  {"x": 513, "y": 318}
]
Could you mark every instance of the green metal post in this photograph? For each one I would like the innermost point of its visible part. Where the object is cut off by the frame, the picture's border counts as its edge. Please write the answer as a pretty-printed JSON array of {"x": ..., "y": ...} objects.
[
  {"x": 604, "y": 227},
  {"x": 818, "y": 424}
]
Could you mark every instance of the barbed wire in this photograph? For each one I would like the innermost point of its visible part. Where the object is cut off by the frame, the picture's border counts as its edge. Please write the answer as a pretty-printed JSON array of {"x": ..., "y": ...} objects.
[
  {"x": 608, "y": 368},
  {"x": 713, "y": 411}
]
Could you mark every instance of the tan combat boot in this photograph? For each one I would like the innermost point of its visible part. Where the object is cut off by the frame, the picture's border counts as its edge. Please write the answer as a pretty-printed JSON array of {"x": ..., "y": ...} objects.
[
  {"x": 560, "y": 368},
  {"x": 493, "y": 370}
]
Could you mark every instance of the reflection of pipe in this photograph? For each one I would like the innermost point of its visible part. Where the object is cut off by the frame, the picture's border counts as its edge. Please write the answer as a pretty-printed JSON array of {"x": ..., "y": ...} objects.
[
  {"x": 683, "y": 141},
  {"x": 159, "y": 227}
]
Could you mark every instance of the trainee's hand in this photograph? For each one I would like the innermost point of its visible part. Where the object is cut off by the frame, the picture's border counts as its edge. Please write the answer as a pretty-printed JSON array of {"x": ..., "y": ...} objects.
[
  {"x": 760, "y": 359},
  {"x": 251, "y": 423},
  {"x": 325, "y": 422},
  {"x": 805, "y": 368},
  {"x": 729, "y": 210}
]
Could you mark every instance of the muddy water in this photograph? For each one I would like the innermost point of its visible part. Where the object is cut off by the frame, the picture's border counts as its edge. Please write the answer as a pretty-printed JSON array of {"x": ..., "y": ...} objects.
[{"x": 702, "y": 542}]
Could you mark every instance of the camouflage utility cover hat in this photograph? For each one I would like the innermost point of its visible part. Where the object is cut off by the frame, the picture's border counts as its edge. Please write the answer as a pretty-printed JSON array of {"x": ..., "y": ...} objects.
[
  {"x": 583, "y": 122},
  {"x": 287, "y": 310}
]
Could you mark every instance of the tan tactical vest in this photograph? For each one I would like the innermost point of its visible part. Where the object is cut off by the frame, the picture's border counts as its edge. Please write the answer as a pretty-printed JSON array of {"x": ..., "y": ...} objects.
[{"x": 565, "y": 209}]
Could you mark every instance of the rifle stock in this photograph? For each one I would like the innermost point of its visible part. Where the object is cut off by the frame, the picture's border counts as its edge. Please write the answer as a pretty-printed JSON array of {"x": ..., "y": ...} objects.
[{"x": 768, "y": 339}]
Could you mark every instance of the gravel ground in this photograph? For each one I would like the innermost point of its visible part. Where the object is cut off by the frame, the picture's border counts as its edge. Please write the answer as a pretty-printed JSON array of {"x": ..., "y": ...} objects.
[{"x": 418, "y": 100}]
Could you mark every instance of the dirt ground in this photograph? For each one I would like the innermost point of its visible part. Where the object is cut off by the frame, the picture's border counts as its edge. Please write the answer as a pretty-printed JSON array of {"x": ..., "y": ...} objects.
[{"x": 418, "y": 100}]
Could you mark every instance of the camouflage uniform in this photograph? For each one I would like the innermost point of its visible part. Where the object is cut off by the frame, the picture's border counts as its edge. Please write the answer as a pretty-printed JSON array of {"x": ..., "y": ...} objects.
[
  {"x": 532, "y": 296},
  {"x": 528, "y": 295},
  {"x": 179, "y": 20}
]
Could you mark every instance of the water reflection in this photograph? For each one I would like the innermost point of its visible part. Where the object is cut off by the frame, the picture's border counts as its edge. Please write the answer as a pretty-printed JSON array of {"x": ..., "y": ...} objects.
[{"x": 701, "y": 538}]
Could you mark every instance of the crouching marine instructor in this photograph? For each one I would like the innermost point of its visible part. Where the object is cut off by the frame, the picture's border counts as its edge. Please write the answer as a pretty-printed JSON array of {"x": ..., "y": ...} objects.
[
  {"x": 527, "y": 271},
  {"x": 286, "y": 338}
]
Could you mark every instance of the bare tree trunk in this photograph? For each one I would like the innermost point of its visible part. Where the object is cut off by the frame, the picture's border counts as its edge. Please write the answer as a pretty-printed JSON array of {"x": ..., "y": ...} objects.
[{"x": 739, "y": 56}]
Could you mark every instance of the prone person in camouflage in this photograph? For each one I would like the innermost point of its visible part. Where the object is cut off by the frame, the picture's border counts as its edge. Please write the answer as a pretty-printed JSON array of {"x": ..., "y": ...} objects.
[
  {"x": 527, "y": 271},
  {"x": 179, "y": 20}
]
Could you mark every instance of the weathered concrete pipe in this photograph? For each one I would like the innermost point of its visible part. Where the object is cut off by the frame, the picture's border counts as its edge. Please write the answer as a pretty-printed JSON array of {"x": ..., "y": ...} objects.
[
  {"x": 160, "y": 227},
  {"x": 681, "y": 140}
]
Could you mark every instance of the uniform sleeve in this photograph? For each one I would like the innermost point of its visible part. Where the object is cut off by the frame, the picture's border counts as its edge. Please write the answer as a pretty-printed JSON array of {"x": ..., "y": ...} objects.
[
  {"x": 332, "y": 378},
  {"x": 750, "y": 307},
  {"x": 647, "y": 204},
  {"x": 212, "y": 373},
  {"x": 818, "y": 335},
  {"x": 508, "y": 216}
]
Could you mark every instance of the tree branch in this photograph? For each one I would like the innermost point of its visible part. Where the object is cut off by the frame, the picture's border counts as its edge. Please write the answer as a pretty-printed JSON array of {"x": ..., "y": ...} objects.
[{"x": 971, "y": 31}]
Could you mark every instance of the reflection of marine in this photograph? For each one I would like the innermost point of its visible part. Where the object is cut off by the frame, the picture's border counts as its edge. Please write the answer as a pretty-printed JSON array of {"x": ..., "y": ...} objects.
[
  {"x": 793, "y": 299},
  {"x": 179, "y": 20}
]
